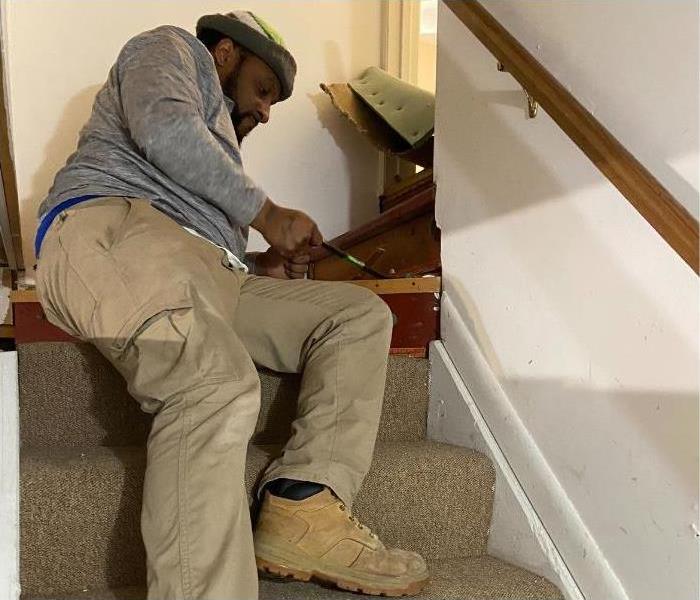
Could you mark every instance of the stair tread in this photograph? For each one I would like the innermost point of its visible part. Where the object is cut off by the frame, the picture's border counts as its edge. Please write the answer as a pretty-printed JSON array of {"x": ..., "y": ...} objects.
[
  {"x": 476, "y": 578},
  {"x": 83, "y": 458},
  {"x": 93, "y": 496},
  {"x": 71, "y": 396}
]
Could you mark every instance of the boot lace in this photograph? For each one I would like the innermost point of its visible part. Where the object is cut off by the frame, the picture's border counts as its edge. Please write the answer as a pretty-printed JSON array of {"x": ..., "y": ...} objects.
[{"x": 356, "y": 522}]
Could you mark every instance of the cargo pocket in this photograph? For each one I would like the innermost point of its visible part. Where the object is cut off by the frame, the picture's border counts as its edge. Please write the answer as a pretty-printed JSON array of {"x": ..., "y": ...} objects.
[
  {"x": 70, "y": 308},
  {"x": 154, "y": 359},
  {"x": 115, "y": 231},
  {"x": 142, "y": 317},
  {"x": 178, "y": 348}
]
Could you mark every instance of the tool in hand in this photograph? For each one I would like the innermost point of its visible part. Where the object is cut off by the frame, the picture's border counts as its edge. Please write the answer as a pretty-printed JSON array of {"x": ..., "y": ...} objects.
[{"x": 355, "y": 261}]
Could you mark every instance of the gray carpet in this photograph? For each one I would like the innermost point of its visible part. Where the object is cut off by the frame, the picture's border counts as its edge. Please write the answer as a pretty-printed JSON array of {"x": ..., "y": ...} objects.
[
  {"x": 80, "y": 509},
  {"x": 478, "y": 578},
  {"x": 83, "y": 459},
  {"x": 71, "y": 396}
]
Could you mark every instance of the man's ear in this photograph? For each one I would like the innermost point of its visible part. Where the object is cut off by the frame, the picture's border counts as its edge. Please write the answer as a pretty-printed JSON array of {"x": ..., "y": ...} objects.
[{"x": 227, "y": 53}]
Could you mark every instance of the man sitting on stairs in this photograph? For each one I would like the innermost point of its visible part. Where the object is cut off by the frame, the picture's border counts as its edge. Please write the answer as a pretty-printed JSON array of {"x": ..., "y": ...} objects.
[{"x": 141, "y": 248}]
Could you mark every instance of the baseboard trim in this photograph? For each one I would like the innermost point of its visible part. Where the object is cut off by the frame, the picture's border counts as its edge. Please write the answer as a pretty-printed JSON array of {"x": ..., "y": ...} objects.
[
  {"x": 570, "y": 550},
  {"x": 520, "y": 535},
  {"x": 9, "y": 477}
]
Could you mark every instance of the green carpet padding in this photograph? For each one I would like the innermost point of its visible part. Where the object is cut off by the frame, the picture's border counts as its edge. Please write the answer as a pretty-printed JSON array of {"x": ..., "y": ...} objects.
[{"x": 407, "y": 109}]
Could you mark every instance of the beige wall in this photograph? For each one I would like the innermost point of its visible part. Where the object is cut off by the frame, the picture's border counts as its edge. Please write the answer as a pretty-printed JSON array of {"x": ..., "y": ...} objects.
[
  {"x": 586, "y": 318},
  {"x": 427, "y": 45},
  {"x": 427, "y": 50},
  {"x": 59, "y": 53}
]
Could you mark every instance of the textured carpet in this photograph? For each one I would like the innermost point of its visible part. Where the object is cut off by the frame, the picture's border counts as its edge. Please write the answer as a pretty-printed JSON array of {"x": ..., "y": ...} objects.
[
  {"x": 479, "y": 578},
  {"x": 80, "y": 509},
  {"x": 71, "y": 396},
  {"x": 83, "y": 458}
]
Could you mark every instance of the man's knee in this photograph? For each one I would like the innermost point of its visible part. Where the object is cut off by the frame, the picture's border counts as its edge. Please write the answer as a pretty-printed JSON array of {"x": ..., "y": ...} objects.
[
  {"x": 372, "y": 310},
  {"x": 381, "y": 312}
]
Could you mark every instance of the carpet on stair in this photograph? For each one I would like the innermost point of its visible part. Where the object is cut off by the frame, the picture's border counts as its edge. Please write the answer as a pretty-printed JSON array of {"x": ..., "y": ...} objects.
[
  {"x": 71, "y": 396},
  {"x": 476, "y": 578},
  {"x": 80, "y": 509}
]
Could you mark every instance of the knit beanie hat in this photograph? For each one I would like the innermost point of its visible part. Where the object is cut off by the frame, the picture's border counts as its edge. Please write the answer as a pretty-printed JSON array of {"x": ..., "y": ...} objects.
[{"x": 260, "y": 38}]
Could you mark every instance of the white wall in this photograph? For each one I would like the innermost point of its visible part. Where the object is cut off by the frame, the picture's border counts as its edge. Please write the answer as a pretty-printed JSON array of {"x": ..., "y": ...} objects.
[
  {"x": 307, "y": 157},
  {"x": 585, "y": 317},
  {"x": 9, "y": 477}
]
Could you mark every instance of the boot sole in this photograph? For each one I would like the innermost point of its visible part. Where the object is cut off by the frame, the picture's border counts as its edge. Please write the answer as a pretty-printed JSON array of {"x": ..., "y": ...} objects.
[{"x": 287, "y": 572}]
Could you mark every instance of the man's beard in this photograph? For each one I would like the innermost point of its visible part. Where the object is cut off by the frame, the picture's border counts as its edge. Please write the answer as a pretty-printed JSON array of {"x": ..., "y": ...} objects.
[{"x": 237, "y": 117}]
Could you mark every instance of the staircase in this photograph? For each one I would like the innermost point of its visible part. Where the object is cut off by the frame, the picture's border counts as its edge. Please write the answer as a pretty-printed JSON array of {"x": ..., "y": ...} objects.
[{"x": 83, "y": 459}]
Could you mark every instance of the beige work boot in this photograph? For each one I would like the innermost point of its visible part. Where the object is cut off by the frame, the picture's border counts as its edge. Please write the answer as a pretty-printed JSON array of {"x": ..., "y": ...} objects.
[{"x": 318, "y": 538}]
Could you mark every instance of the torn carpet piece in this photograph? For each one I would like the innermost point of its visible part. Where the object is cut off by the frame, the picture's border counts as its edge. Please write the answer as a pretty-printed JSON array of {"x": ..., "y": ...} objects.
[
  {"x": 369, "y": 123},
  {"x": 407, "y": 109}
]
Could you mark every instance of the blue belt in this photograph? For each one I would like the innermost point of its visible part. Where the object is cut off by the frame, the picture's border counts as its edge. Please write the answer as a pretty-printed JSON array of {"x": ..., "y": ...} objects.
[{"x": 52, "y": 214}]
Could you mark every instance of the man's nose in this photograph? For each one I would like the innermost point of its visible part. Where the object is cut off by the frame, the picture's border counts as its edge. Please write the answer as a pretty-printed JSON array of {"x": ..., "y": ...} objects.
[{"x": 264, "y": 111}]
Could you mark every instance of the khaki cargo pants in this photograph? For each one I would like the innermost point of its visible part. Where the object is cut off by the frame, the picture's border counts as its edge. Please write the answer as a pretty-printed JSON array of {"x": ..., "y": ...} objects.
[{"x": 186, "y": 331}]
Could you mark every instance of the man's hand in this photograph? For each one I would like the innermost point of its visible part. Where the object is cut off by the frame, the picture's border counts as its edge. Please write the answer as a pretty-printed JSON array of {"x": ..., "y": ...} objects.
[
  {"x": 272, "y": 264},
  {"x": 291, "y": 233}
]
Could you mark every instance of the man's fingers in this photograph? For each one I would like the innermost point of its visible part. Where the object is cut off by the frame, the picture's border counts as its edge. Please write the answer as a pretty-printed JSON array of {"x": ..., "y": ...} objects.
[
  {"x": 296, "y": 267},
  {"x": 294, "y": 273},
  {"x": 312, "y": 239},
  {"x": 316, "y": 237},
  {"x": 290, "y": 232},
  {"x": 300, "y": 259}
]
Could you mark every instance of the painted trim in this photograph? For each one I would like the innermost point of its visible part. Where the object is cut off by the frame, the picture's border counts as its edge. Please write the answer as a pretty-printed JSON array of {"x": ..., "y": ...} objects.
[
  {"x": 10, "y": 229},
  {"x": 9, "y": 477},
  {"x": 410, "y": 40},
  {"x": 516, "y": 534},
  {"x": 400, "y": 39},
  {"x": 5, "y": 289},
  {"x": 399, "y": 57},
  {"x": 573, "y": 549},
  {"x": 389, "y": 60}
]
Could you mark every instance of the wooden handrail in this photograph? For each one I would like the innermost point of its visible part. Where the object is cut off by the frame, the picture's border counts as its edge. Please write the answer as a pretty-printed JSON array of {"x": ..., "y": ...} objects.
[{"x": 663, "y": 212}]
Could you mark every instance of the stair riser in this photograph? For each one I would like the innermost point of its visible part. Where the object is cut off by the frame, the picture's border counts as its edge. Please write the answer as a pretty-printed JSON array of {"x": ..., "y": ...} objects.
[
  {"x": 80, "y": 517},
  {"x": 71, "y": 396}
]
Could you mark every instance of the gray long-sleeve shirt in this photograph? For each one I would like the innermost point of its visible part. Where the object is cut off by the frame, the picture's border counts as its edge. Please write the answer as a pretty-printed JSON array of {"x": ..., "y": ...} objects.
[{"x": 160, "y": 129}]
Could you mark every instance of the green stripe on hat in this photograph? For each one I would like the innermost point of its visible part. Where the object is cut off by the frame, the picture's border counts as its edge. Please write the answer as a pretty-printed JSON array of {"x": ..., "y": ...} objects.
[{"x": 269, "y": 30}]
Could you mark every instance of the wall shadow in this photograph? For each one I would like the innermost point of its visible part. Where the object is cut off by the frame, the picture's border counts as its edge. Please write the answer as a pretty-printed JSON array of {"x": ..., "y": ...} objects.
[
  {"x": 666, "y": 420},
  {"x": 524, "y": 181},
  {"x": 502, "y": 185},
  {"x": 355, "y": 149},
  {"x": 60, "y": 146},
  {"x": 495, "y": 176},
  {"x": 650, "y": 139}
]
